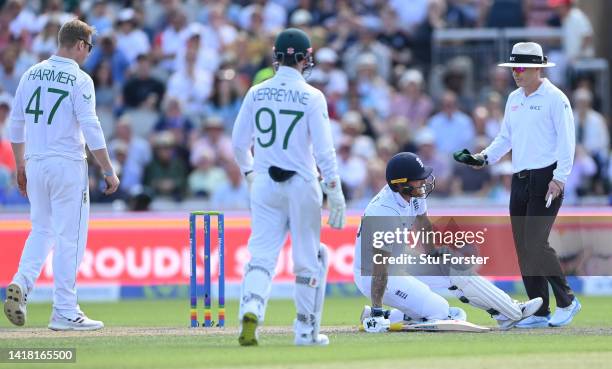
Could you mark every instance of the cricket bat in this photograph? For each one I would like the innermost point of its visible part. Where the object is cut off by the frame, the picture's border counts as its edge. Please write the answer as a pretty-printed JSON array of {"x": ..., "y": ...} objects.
[{"x": 439, "y": 326}]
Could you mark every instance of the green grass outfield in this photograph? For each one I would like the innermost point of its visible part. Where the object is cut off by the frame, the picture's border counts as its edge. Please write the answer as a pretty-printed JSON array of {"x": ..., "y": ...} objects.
[{"x": 152, "y": 334}]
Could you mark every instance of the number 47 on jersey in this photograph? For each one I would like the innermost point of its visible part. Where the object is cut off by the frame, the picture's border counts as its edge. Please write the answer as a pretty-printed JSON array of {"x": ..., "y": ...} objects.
[{"x": 35, "y": 98}]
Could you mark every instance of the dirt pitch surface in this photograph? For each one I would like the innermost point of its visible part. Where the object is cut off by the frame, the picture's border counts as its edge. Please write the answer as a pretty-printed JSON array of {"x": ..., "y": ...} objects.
[{"x": 28, "y": 333}]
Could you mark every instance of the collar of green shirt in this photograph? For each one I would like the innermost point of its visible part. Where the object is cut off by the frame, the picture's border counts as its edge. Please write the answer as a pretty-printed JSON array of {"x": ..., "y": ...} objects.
[{"x": 61, "y": 59}]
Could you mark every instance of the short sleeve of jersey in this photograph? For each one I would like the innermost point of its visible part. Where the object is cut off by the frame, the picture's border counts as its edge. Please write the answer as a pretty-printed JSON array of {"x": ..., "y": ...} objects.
[
  {"x": 85, "y": 100},
  {"x": 419, "y": 205}
]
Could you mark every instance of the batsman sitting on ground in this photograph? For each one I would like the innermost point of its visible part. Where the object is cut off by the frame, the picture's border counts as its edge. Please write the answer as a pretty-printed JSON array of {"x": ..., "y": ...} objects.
[
  {"x": 409, "y": 182},
  {"x": 286, "y": 121}
]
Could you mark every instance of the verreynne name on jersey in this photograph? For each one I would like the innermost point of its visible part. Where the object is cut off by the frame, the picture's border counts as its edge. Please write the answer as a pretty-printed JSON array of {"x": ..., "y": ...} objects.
[{"x": 281, "y": 95}]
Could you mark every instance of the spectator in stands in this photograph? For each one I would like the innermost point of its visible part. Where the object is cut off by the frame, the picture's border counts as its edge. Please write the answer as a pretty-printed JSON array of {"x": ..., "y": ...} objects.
[
  {"x": 54, "y": 9},
  {"x": 386, "y": 148},
  {"x": 399, "y": 130},
  {"x": 577, "y": 30},
  {"x": 131, "y": 40},
  {"x": 462, "y": 14},
  {"x": 579, "y": 179},
  {"x": 7, "y": 160},
  {"x": 9, "y": 73},
  {"x": 6, "y": 100},
  {"x": 189, "y": 84},
  {"x": 106, "y": 89},
  {"x": 452, "y": 128},
  {"x": 351, "y": 168},
  {"x": 484, "y": 125},
  {"x": 175, "y": 121},
  {"x": 273, "y": 16},
  {"x": 496, "y": 113},
  {"x": 410, "y": 101},
  {"x": 342, "y": 27},
  {"x": 504, "y": 14},
  {"x": 379, "y": 55},
  {"x": 576, "y": 40},
  {"x": 395, "y": 38},
  {"x": 337, "y": 81},
  {"x": 499, "y": 82},
  {"x": 45, "y": 43},
  {"x": 353, "y": 127},
  {"x": 423, "y": 34},
  {"x": 206, "y": 178},
  {"x": 108, "y": 51},
  {"x": 212, "y": 136},
  {"x": 169, "y": 41},
  {"x": 233, "y": 194},
  {"x": 143, "y": 90},
  {"x": 99, "y": 17},
  {"x": 442, "y": 167},
  {"x": 301, "y": 18},
  {"x": 22, "y": 20},
  {"x": 411, "y": 13},
  {"x": 501, "y": 182},
  {"x": 592, "y": 133},
  {"x": 375, "y": 181},
  {"x": 165, "y": 176},
  {"x": 458, "y": 78},
  {"x": 137, "y": 155},
  {"x": 226, "y": 98},
  {"x": 373, "y": 90},
  {"x": 221, "y": 32}
]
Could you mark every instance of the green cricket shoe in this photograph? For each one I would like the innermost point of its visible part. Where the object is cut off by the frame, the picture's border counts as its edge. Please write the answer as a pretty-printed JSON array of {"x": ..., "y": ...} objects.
[{"x": 248, "y": 330}]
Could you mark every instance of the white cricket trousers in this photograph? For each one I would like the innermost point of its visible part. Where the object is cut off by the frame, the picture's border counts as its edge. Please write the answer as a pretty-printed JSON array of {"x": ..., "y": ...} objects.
[
  {"x": 410, "y": 295},
  {"x": 278, "y": 207},
  {"x": 59, "y": 210}
]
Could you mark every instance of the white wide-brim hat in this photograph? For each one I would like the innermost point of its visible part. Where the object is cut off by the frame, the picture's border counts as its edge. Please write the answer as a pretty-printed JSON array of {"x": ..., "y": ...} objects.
[{"x": 527, "y": 55}]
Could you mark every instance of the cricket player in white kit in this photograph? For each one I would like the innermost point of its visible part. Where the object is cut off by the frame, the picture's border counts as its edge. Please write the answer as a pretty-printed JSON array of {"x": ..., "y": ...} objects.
[
  {"x": 409, "y": 182},
  {"x": 285, "y": 120},
  {"x": 52, "y": 118}
]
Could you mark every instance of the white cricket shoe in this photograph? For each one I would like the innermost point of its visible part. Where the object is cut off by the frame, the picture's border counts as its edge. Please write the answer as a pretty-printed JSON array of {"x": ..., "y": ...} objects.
[
  {"x": 564, "y": 316},
  {"x": 533, "y": 321},
  {"x": 306, "y": 339},
  {"x": 528, "y": 308},
  {"x": 15, "y": 304},
  {"x": 80, "y": 322}
]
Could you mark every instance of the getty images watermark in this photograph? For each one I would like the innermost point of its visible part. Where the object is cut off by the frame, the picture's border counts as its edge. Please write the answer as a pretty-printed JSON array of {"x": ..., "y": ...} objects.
[
  {"x": 485, "y": 245},
  {"x": 407, "y": 249}
]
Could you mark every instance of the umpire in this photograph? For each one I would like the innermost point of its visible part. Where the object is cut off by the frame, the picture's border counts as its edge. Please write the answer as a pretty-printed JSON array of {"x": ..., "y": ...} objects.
[{"x": 538, "y": 127}]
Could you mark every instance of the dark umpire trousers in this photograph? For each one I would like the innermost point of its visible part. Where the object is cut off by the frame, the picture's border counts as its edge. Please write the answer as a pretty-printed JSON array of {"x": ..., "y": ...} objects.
[{"x": 531, "y": 226}]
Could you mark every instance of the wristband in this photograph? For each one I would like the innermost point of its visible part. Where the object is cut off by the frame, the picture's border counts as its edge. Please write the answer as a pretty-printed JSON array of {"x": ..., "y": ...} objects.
[
  {"x": 375, "y": 312},
  {"x": 108, "y": 174}
]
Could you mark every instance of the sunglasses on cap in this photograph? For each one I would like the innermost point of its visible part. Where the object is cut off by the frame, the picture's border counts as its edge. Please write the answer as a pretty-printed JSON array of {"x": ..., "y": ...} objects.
[
  {"x": 519, "y": 70},
  {"x": 89, "y": 44}
]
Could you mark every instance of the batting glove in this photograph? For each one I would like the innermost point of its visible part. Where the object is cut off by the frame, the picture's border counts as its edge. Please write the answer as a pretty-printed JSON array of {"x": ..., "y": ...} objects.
[
  {"x": 335, "y": 202},
  {"x": 376, "y": 323}
]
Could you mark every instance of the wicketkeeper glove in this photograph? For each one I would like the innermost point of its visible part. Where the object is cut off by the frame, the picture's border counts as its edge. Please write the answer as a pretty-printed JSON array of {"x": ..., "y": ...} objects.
[
  {"x": 464, "y": 156},
  {"x": 336, "y": 203},
  {"x": 376, "y": 323}
]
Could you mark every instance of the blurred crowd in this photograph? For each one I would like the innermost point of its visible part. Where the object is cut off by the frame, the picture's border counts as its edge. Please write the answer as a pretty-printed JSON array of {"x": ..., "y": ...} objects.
[{"x": 170, "y": 76}]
